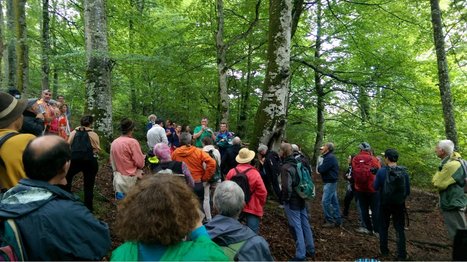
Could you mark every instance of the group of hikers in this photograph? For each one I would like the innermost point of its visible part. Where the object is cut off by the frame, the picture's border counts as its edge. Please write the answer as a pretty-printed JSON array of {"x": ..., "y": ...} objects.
[{"x": 203, "y": 197}]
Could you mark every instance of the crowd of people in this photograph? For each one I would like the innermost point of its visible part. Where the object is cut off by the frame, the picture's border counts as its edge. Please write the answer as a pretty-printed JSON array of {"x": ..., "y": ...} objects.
[{"x": 205, "y": 193}]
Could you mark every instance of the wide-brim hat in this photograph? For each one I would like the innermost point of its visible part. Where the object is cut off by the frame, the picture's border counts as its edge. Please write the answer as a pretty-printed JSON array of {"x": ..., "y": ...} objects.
[
  {"x": 10, "y": 109},
  {"x": 245, "y": 155}
]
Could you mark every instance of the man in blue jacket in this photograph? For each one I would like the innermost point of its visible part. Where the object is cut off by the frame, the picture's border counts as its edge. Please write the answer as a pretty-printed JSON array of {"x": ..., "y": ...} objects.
[
  {"x": 392, "y": 202},
  {"x": 329, "y": 171},
  {"x": 53, "y": 223}
]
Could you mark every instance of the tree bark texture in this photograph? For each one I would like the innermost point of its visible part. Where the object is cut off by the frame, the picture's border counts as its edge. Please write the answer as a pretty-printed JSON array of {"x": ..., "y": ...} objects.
[
  {"x": 244, "y": 97},
  {"x": 10, "y": 63},
  {"x": 443, "y": 73},
  {"x": 99, "y": 67},
  {"x": 319, "y": 88},
  {"x": 45, "y": 45},
  {"x": 270, "y": 118},
  {"x": 2, "y": 46},
  {"x": 223, "y": 95},
  {"x": 22, "y": 61}
]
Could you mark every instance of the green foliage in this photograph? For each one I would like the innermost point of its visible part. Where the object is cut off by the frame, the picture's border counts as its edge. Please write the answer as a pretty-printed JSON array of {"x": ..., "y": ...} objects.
[{"x": 375, "y": 56}]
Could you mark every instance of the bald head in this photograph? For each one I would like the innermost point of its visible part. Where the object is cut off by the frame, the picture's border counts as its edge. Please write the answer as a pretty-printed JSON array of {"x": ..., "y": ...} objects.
[
  {"x": 46, "y": 157},
  {"x": 286, "y": 149}
]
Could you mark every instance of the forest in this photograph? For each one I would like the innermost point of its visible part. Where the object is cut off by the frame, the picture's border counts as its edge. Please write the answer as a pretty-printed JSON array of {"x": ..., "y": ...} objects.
[{"x": 392, "y": 73}]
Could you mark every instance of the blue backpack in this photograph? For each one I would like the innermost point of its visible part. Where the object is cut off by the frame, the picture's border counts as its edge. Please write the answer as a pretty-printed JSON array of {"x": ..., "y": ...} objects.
[
  {"x": 11, "y": 245},
  {"x": 305, "y": 188}
]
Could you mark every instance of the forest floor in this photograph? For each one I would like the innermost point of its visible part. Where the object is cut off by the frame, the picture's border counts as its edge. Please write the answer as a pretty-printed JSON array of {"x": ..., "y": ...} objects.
[{"x": 426, "y": 235}]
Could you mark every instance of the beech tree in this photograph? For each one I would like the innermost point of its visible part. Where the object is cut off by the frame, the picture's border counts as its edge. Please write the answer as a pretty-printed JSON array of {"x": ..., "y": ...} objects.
[
  {"x": 270, "y": 120},
  {"x": 443, "y": 73},
  {"x": 98, "y": 67},
  {"x": 22, "y": 59}
]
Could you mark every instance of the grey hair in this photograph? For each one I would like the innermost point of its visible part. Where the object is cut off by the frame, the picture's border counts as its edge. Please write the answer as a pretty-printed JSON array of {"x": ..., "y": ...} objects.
[
  {"x": 236, "y": 141},
  {"x": 330, "y": 146},
  {"x": 262, "y": 148},
  {"x": 229, "y": 199},
  {"x": 185, "y": 138},
  {"x": 295, "y": 148},
  {"x": 447, "y": 146}
]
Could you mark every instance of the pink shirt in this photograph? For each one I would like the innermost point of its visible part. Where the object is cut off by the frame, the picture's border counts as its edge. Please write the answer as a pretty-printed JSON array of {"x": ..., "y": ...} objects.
[{"x": 127, "y": 155}]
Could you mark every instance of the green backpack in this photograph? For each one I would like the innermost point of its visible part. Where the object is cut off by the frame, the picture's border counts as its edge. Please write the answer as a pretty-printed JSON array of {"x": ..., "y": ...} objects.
[
  {"x": 305, "y": 188},
  {"x": 11, "y": 246},
  {"x": 231, "y": 250}
]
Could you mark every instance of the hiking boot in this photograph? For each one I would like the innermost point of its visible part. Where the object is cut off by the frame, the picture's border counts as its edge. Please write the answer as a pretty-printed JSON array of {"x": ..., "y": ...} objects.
[
  {"x": 328, "y": 225},
  {"x": 311, "y": 255},
  {"x": 298, "y": 259},
  {"x": 362, "y": 230}
]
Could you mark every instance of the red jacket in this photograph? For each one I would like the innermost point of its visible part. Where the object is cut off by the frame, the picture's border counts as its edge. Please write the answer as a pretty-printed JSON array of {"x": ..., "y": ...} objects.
[{"x": 257, "y": 189}]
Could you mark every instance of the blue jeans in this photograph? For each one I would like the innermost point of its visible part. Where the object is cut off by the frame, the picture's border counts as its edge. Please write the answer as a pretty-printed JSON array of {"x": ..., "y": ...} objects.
[
  {"x": 252, "y": 221},
  {"x": 330, "y": 203},
  {"x": 301, "y": 231}
]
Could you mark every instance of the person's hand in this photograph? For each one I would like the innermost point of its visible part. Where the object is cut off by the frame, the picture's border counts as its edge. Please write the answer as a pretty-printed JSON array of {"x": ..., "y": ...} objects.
[{"x": 40, "y": 116}]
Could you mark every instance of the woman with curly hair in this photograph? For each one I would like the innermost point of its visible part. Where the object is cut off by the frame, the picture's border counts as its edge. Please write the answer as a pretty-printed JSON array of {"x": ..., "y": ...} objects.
[{"x": 160, "y": 221}]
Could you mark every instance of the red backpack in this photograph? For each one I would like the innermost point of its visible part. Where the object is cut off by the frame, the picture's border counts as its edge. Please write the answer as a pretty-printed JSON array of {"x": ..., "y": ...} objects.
[{"x": 361, "y": 172}]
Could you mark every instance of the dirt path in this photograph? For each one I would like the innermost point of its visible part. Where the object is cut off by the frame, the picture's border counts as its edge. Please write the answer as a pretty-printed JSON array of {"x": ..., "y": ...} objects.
[{"x": 426, "y": 237}]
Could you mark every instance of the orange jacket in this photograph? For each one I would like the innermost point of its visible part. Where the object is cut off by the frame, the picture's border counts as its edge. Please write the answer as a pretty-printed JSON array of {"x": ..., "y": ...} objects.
[{"x": 196, "y": 160}]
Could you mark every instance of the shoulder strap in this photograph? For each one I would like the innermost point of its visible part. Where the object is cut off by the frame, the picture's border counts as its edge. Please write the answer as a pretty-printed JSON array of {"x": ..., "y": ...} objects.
[
  {"x": 19, "y": 242},
  {"x": 3, "y": 140},
  {"x": 6, "y": 137}
]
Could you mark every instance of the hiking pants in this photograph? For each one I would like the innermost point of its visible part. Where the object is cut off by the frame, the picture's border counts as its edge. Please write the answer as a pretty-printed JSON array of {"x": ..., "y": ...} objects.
[
  {"x": 454, "y": 219},
  {"x": 350, "y": 194},
  {"x": 367, "y": 201},
  {"x": 330, "y": 203},
  {"x": 398, "y": 219},
  {"x": 89, "y": 169},
  {"x": 301, "y": 231}
]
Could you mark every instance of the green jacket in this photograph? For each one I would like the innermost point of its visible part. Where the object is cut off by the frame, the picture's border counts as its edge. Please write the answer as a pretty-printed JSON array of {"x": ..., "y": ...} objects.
[
  {"x": 201, "y": 249},
  {"x": 450, "y": 181}
]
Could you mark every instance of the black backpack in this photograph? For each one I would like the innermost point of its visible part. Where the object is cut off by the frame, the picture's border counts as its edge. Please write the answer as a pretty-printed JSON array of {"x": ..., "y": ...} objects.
[
  {"x": 394, "y": 191},
  {"x": 242, "y": 180},
  {"x": 81, "y": 148}
]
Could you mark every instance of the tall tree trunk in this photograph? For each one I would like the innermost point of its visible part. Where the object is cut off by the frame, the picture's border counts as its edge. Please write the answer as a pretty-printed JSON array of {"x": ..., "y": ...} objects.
[
  {"x": 443, "y": 73},
  {"x": 55, "y": 67},
  {"x": 363, "y": 103},
  {"x": 22, "y": 62},
  {"x": 223, "y": 101},
  {"x": 2, "y": 46},
  {"x": 270, "y": 120},
  {"x": 45, "y": 45},
  {"x": 10, "y": 63},
  {"x": 131, "y": 47},
  {"x": 244, "y": 97},
  {"x": 319, "y": 88},
  {"x": 99, "y": 67}
]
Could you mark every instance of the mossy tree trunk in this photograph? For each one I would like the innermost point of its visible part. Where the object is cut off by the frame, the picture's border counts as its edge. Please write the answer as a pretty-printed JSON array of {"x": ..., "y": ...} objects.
[
  {"x": 98, "y": 70},
  {"x": 270, "y": 120},
  {"x": 443, "y": 73}
]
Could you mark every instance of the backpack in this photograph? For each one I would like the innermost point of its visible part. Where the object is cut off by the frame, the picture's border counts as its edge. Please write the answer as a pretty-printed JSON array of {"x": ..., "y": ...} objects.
[
  {"x": 394, "y": 191},
  {"x": 3, "y": 139},
  {"x": 362, "y": 175},
  {"x": 305, "y": 187},
  {"x": 242, "y": 180},
  {"x": 217, "y": 173},
  {"x": 171, "y": 167},
  {"x": 11, "y": 245},
  {"x": 81, "y": 148},
  {"x": 464, "y": 167},
  {"x": 231, "y": 250}
]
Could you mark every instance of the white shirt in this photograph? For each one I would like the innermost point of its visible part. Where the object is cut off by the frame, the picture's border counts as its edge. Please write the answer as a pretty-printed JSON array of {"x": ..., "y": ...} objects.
[{"x": 156, "y": 135}]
